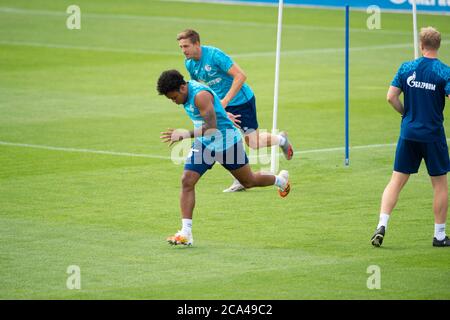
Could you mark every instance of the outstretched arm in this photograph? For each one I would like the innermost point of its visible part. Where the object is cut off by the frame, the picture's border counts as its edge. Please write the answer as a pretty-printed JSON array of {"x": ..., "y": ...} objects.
[
  {"x": 393, "y": 97},
  {"x": 204, "y": 102}
]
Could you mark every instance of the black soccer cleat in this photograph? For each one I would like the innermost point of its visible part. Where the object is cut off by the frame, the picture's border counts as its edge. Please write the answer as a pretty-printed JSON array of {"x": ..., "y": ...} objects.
[
  {"x": 441, "y": 243},
  {"x": 377, "y": 238}
]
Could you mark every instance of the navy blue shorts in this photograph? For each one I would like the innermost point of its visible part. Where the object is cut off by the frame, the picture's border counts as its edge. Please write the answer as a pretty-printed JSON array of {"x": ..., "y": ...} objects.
[
  {"x": 410, "y": 153},
  {"x": 249, "y": 122},
  {"x": 201, "y": 159}
]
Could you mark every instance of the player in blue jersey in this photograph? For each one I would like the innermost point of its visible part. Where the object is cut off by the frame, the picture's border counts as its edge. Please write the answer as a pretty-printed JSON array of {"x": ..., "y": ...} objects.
[
  {"x": 425, "y": 83},
  {"x": 217, "y": 70},
  {"x": 215, "y": 139}
]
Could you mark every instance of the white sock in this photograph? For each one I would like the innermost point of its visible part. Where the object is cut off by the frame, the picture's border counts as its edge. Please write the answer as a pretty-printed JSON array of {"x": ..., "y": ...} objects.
[
  {"x": 282, "y": 140},
  {"x": 384, "y": 218},
  {"x": 280, "y": 182},
  {"x": 439, "y": 231},
  {"x": 187, "y": 226}
]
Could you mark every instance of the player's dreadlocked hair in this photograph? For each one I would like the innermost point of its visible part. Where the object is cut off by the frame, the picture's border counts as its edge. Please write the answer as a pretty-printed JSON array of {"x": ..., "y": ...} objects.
[{"x": 170, "y": 80}]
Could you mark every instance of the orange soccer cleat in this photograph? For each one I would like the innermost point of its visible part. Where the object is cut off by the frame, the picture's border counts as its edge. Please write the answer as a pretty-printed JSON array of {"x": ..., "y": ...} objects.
[
  {"x": 180, "y": 238},
  {"x": 284, "y": 191},
  {"x": 287, "y": 149}
]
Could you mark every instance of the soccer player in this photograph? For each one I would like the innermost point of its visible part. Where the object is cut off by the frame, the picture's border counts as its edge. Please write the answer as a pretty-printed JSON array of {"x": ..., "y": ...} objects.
[
  {"x": 215, "y": 139},
  {"x": 424, "y": 82},
  {"x": 217, "y": 70}
]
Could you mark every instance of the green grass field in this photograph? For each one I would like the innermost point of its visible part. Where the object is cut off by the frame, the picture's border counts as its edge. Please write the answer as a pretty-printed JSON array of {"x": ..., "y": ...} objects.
[{"x": 64, "y": 91}]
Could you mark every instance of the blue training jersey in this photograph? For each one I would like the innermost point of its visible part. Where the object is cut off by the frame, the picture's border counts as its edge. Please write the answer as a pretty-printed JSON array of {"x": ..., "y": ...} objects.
[
  {"x": 228, "y": 134},
  {"x": 212, "y": 70},
  {"x": 425, "y": 84}
]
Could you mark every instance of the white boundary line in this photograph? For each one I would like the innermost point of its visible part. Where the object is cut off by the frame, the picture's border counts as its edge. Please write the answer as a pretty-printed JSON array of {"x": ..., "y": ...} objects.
[
  {"x": 237, "y": 55},
  {"x": 111, "y": 153},
  {"x": 141, "y": 155},
  {"x": 88, "y": 48},
  {"x": 326, "y": 50}
]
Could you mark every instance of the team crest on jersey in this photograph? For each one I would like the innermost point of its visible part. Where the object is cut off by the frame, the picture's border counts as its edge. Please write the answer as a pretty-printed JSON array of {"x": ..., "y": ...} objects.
[{"x": 208, "y": 68}]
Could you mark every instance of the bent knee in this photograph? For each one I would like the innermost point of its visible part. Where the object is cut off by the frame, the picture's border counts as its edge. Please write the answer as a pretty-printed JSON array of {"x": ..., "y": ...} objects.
[
  {"x": 252, "y": 144},
  {"x": 188, "y": 181},
  {"x": 252, "y": 141}
]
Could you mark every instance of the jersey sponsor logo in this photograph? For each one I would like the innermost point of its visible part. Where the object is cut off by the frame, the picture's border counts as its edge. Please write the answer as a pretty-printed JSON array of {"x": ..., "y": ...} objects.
[
  {"x": 418, "y": 84},
  {"x": 214, "y": 81}
]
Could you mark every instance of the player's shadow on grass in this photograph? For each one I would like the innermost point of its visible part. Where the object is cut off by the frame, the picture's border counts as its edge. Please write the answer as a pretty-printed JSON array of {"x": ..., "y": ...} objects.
[{"x": 391, "y": 248}]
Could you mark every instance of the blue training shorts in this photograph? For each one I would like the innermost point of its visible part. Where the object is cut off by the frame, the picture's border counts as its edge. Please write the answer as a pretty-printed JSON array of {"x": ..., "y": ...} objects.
[
  {"x": 201, "y": 159},
  {"x": 410, "y": 153},
  {"x": 249, "y": 122}
]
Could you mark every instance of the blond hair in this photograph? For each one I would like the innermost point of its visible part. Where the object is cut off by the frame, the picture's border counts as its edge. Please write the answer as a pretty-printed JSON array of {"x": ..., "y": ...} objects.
[
  {"x": 190, "y": 34},
  {"x": 430, "y": 38}
]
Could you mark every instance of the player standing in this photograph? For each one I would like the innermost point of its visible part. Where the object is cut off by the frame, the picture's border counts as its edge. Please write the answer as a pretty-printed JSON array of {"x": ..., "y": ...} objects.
[{"x": 424, "y": 82}]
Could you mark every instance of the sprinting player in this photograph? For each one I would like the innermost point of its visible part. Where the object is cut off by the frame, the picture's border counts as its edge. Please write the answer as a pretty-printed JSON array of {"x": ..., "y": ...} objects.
[
  {"x": 215, "y": 139},
  {"x": 218, "y": 71},
  {"x": 424, "y": 82}
]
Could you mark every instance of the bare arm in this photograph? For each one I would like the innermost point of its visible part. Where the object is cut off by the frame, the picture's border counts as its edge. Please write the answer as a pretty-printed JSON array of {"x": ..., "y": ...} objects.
[
  {"x": 239, "y": 78},
  {"x": 393, "y": 97},
  {"x": 204, "y": 102}
]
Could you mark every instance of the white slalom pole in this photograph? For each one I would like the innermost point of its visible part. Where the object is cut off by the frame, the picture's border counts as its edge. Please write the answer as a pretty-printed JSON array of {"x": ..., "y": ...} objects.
[
  {"x": 416, "y": 43},
  {"x": 274, "y": 162}
]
